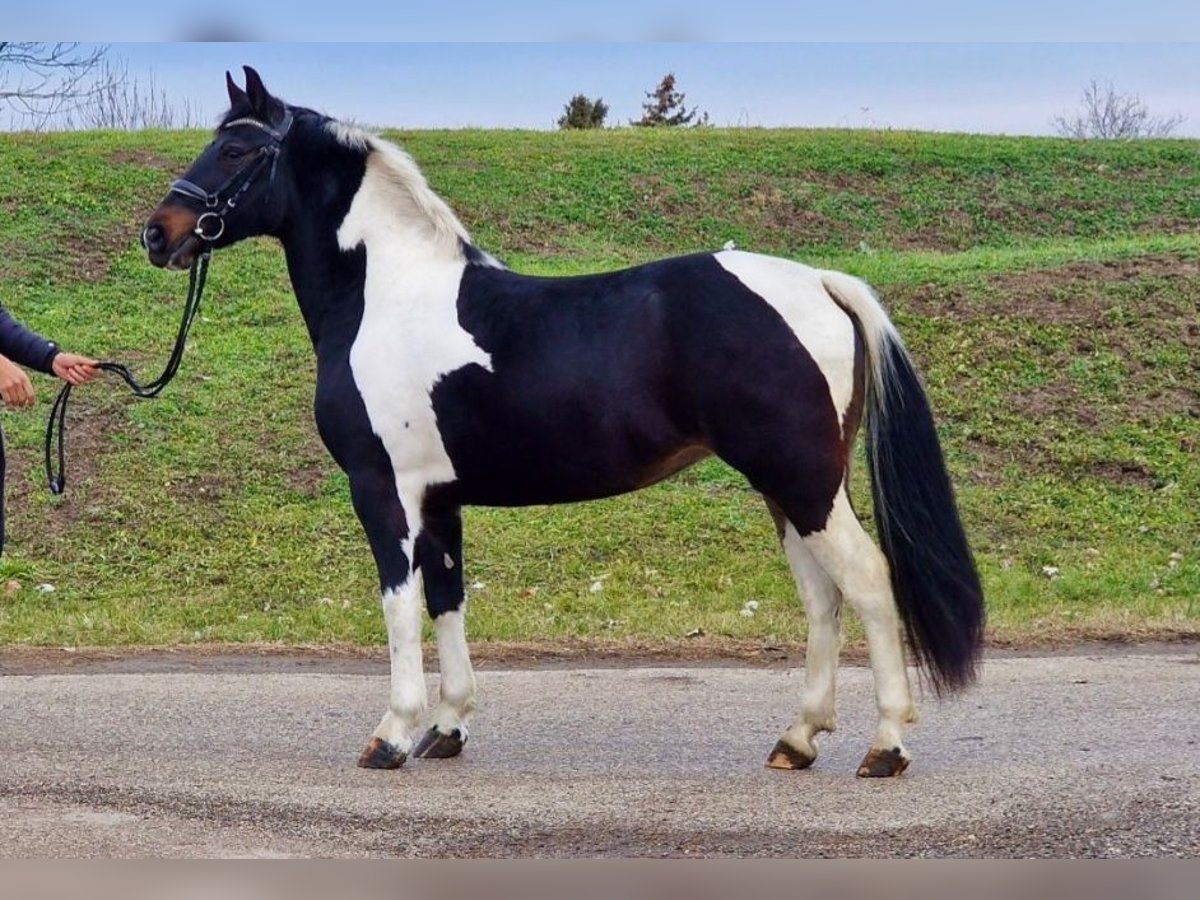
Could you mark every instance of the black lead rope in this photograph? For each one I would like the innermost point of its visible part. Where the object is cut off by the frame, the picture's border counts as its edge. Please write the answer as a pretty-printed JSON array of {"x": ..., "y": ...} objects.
[
  {"x": 57, "y": 422},
  {"x": 210, "y": 226},
  {"x": 58, "y": 412}
]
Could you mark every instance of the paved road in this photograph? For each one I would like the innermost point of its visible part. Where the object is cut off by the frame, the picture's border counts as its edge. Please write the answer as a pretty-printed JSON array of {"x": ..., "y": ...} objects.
[{"x": 1052, "y": 756}]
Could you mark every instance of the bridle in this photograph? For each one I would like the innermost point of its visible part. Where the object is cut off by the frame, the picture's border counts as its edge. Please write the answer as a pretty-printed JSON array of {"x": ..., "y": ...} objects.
[{"x": 226, "y": 196}]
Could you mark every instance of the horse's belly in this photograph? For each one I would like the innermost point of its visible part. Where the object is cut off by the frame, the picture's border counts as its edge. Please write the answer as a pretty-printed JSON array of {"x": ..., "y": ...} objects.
[{"x": 544, "y": 470}]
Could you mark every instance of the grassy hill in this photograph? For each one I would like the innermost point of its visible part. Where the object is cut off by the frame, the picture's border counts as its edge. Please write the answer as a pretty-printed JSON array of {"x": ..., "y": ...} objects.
[{"x": 1049, "y": 289}]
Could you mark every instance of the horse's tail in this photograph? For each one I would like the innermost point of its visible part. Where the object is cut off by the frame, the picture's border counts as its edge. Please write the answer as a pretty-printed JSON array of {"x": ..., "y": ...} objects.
[{"x": 932, "y": 571}]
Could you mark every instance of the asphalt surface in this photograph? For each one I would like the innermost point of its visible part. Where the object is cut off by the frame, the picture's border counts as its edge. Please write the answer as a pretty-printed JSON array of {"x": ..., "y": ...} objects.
[{"x": 1090, "y": 755}]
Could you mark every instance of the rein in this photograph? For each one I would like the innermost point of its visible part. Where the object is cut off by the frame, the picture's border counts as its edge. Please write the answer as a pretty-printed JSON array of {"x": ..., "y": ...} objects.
[
  {"x": 209, "y": 227},
  {"x": 57, "y": 423},
  {"x": 218, "y": 203}
]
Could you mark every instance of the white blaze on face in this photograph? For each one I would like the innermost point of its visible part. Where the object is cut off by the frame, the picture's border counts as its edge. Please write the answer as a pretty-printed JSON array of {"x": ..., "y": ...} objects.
[
  {"x": 410, "y": 337},
  {"x": 820, "y": 325}
]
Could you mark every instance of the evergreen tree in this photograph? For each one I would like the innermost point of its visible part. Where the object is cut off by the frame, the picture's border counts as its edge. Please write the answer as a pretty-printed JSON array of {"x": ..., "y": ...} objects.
[
  {"x": 583, "y": 112},
  {"x": 664, "y": 106}
]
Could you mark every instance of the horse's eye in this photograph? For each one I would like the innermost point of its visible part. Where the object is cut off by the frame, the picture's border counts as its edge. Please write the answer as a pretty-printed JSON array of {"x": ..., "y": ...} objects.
[{"x": 232, "y": 152}]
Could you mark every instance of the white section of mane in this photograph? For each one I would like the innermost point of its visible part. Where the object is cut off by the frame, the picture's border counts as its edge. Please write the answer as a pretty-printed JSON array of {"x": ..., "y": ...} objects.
[{"x": 412, "y": 197}]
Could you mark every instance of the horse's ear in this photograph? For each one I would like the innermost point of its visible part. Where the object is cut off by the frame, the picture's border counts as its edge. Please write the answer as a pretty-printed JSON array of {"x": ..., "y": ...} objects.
[
  {"x": 256, "y": 89},
  {"x": 262, "y": 103},
  {"x": 254, "y": 83},
  {"x": 236, "y": 95}
]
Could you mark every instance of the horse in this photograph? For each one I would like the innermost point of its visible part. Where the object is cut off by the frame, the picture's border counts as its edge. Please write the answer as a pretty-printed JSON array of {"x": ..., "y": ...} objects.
[{"x": 444, "y": 380}]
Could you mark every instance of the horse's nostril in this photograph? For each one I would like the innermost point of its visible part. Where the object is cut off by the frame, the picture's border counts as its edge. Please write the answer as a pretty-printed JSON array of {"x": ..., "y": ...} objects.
[{"x": 154, "y": 239}]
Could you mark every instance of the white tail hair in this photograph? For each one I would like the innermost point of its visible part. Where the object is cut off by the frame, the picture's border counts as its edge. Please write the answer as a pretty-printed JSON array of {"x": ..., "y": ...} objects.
[{"x": 857, "y": 297}]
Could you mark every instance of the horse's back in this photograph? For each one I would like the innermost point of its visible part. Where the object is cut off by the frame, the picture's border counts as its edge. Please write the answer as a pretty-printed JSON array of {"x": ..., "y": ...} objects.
[{"x": 694, "y": 298}]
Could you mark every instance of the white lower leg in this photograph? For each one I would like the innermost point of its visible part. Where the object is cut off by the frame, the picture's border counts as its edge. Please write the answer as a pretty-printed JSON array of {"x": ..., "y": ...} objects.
[
  {"x": 860, "y": 570},
  {"x": 402, "y": 610},
  {"x": 457, "y": 694},
  {"x": 893, "y": 695},
  {"x": 822, "y": 603}
]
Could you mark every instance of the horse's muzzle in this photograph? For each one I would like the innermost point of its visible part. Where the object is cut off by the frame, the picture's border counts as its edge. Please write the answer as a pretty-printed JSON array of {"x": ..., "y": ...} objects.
[{"x": 169, "y": 237}]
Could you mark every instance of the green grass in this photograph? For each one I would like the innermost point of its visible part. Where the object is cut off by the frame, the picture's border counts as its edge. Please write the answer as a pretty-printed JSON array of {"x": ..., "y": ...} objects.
[{"x": 1049, "y": 289}]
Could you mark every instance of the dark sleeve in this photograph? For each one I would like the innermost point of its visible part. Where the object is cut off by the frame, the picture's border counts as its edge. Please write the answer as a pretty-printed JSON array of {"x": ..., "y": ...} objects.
[{"x": 23, "y": 346}]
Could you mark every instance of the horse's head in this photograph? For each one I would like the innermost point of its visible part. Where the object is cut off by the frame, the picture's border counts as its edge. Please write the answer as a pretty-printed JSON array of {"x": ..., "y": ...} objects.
[{"x": 231, "y": 191}]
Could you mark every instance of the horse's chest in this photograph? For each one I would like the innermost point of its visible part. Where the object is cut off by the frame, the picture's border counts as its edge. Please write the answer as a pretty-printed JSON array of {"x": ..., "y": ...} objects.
[{"x": 400, "y": 352}]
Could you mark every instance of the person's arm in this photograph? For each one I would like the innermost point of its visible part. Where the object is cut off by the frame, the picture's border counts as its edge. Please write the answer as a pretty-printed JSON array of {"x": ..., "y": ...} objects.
[{"x": 26, "y": 347}]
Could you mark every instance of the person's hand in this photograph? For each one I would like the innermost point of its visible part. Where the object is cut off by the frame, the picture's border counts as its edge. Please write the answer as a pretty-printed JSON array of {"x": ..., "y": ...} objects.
[
  {"x": 15, "y": 387},
  {"x": 74, "y": 368}
]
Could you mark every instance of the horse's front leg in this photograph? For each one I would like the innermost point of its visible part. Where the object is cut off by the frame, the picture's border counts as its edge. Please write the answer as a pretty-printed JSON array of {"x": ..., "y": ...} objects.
[
  {"x": 393, "y": 524},
  {"x": 439, "y": 561}
]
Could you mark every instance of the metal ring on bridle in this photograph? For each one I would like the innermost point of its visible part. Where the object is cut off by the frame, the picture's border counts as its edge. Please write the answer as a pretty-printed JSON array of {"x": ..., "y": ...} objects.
[{"x": 200, "y": 232}]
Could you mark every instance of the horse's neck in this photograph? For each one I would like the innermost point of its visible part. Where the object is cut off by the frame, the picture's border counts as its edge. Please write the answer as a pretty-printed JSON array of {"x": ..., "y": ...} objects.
[
  {"x": 391, "y": 243},
  {"x": 340, "y": 275}
]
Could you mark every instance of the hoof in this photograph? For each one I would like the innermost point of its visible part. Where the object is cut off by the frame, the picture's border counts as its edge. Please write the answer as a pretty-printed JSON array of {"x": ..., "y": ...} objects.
[
  {"x": 379, "y": 754},
  {"x": 785, "y": 756},
  {"x": 883, "y": 763},
  {"x": 436, "y": 745}
]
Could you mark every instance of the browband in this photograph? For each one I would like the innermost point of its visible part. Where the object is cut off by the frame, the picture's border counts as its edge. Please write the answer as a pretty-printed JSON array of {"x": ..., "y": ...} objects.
[{"x": 278, "y": 133}]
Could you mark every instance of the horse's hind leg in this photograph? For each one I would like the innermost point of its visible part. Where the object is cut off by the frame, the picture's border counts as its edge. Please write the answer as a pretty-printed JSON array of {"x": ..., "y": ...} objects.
[
  {"x": 860, "y": 571},
  {"x": 797, "y": 749}
]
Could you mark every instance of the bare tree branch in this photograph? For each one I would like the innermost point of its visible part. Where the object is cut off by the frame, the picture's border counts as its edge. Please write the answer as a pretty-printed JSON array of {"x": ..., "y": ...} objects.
[
  {"x": 1110, "y": 114},
  {"x": 39, "y": 81},
  {"x": 128, "y": 104},
  {"x": 66, "y": 86}
]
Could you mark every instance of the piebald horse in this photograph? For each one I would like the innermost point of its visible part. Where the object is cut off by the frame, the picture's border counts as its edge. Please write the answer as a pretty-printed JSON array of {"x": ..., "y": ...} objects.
[{"x": 444, "y": 380}]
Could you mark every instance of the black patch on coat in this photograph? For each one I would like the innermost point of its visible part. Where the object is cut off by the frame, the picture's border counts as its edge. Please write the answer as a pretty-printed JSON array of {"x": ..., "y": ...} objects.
[
  {"x": 596, "y": 380},
  {"x": 438, "y": 554}
]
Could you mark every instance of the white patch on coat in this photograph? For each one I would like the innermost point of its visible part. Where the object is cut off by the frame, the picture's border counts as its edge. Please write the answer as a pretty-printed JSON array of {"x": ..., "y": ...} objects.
[
  {"x": 799, "y": 296},
  {"x": 822, "y": 606},
  {"x": 457, "y": 691},
  {"x": 410, "y": 337},
  {"x": 402, "y": 608}
]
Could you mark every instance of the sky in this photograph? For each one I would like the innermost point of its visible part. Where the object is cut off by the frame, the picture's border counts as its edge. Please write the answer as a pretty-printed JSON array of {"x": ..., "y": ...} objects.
[
  {"x": 1014, "y": 88},
  {"x": 614, "y": 20}
]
